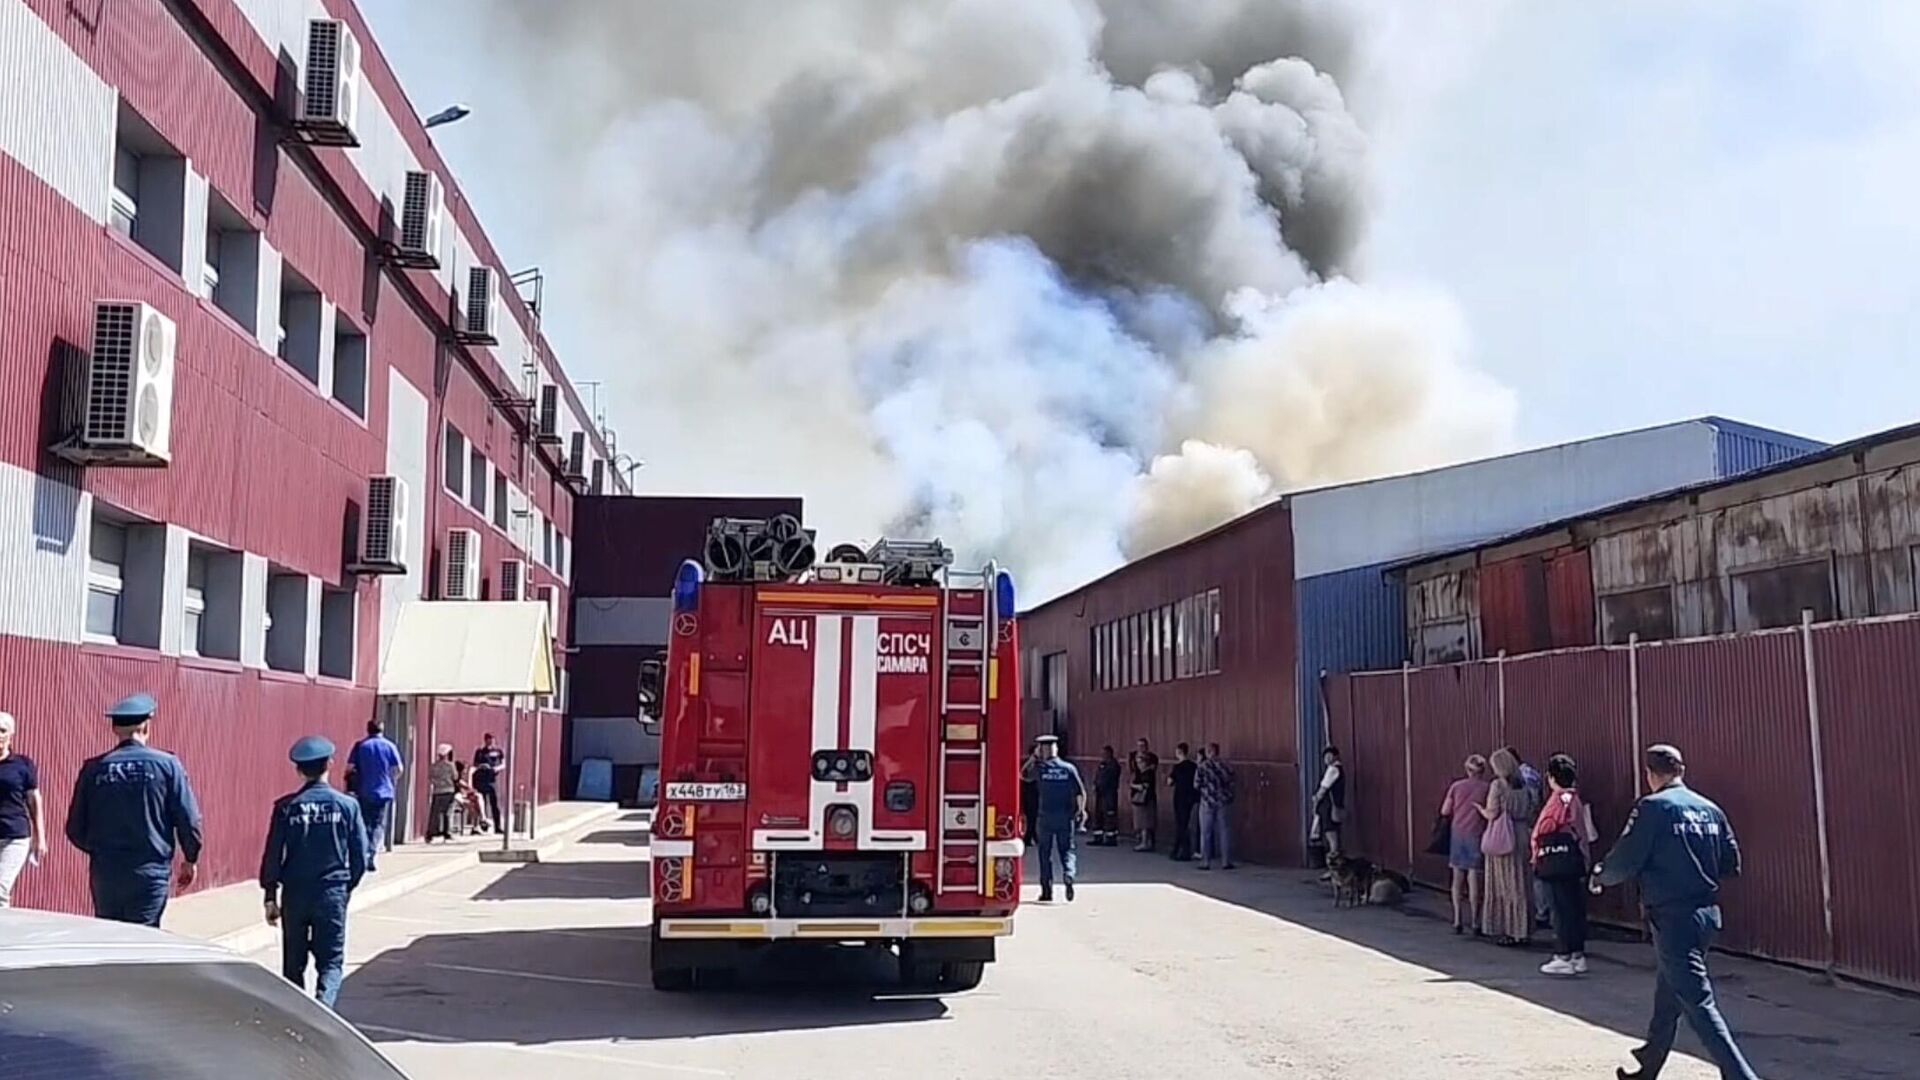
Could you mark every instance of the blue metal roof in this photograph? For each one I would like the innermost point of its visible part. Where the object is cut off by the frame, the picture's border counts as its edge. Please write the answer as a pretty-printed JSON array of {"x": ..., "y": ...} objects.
[{"x": 1742, "y": 448}]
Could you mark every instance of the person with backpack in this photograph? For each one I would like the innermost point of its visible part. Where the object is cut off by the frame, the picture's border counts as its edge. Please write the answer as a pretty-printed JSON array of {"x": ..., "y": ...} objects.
[{"x": 1561, "y": 847}]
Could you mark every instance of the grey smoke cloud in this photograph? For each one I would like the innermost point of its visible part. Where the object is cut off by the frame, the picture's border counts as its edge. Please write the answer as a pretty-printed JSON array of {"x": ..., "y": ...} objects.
[{"x": 1057, "y": 280}]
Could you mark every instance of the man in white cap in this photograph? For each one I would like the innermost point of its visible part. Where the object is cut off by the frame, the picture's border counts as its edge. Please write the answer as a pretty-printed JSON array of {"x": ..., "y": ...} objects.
[{"x": 1062, "y": 806}]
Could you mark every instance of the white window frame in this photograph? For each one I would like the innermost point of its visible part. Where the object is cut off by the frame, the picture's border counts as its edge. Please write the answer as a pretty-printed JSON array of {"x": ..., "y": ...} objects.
[
  {"x": 448, "y": 433},
  {"x": 105, "y": 582},
  {"x": 123, "y": 206},
  {"x": 194, "y": 607},
  {"x": 479, "y": 495}
]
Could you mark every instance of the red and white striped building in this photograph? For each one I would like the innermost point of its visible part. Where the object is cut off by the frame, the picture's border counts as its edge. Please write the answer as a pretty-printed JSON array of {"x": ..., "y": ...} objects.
[{"x": 154, "y": 153}]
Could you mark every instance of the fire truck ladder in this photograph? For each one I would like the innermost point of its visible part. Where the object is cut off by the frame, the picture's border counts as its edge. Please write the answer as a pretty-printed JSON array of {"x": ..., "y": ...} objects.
[{"x": 966, "y": 653}]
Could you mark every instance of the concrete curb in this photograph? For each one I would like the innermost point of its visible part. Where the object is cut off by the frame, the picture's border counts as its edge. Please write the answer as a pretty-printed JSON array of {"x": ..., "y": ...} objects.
[{"x": 260, "y": 936}]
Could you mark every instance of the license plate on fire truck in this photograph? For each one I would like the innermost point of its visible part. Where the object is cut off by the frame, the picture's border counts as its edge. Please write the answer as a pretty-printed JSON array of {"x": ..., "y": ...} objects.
[{"x": 702, "y": 792}]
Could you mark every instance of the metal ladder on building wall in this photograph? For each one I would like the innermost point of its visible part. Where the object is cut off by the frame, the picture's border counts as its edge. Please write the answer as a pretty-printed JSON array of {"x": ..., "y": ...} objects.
[{"x": 967, "y": 638}]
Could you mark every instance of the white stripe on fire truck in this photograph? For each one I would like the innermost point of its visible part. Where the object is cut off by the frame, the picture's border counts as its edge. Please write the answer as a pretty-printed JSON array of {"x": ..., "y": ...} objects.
[
  {"x": 862, "y": 717},
  {"x": 826, "y": 681}
]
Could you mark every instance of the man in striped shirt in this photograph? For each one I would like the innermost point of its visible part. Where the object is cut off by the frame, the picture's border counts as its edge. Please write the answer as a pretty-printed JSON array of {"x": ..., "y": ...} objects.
[{"x": 1215, "y": 783}]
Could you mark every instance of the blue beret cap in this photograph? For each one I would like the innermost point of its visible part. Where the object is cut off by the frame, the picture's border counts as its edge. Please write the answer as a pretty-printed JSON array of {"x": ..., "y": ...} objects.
[
  {"x": 310, "y": 748},
  {"x": 132, "y": 709}
]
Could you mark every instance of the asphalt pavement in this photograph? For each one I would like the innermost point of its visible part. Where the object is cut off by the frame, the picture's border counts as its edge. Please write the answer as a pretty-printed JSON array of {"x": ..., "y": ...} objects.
[{"x": 1157, "y": 970}]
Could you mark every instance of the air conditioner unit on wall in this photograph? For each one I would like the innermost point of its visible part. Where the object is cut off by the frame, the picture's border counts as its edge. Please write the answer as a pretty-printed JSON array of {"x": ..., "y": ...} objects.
[
  {"x": 463, "y": 565},
  {"x": 422, "y": 210},
  {"x": 513, "y": 579},
  {"x": 479, "y": 308},
  {"x": 124, "y": 413},
  {"x": 384, "y": 547},
  {"x": 576, "y": 471},
  {"x": 547, "y": 421},
  {"x": 330, "y": 90}
]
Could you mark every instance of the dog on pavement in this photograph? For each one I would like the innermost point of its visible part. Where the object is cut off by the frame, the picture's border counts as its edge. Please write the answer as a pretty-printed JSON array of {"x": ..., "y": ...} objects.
[
  {"x": 1389, "y": 889},
  {"x": 1352, "y": 880}
]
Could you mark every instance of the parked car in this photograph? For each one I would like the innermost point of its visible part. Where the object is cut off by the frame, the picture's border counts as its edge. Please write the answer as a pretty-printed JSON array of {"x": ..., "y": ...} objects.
[{"x": 86, "y": 999}]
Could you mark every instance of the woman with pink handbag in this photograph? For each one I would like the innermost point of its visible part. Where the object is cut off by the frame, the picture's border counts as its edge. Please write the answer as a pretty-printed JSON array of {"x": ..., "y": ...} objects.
[{"x": 1506, "y": 917}]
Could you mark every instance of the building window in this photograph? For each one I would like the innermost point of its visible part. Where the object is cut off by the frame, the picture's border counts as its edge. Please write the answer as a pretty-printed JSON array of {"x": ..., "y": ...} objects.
[
  {"x": 1211, "y": 630},
  {"x": 211, "y": 622},
  {"x": 1775, "y": 597},
  {"x": 193, "y": 634},
  {"x": 1643, "y": 613},
  {"x": 560, "y": 554},
  {"x": 148, "y": 199},
  {"x": 231, "y": 272},
  {"x": 349, "y": 367},
  {"x": 454, "y": 475},
  {"x": 301, "y": 316},
  {"x": 106, "y": 580},
  {"x": 286, "y": 620},
  {"x": 123, "y": 204},
  {"x": 1183, "y": 663},
  {"x": 1135, "y": 646},
  {"x": 126, "y": 568},
  {"x": 546, "y": 542},
  {"x": 338, "y": 630},
  {"x": 477, "y": 486},
  {"x": 500, "y": 501}
]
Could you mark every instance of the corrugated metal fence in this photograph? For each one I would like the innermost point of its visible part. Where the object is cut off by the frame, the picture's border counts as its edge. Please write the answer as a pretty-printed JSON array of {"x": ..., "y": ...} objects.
[{"x": 1809, "y": 738}]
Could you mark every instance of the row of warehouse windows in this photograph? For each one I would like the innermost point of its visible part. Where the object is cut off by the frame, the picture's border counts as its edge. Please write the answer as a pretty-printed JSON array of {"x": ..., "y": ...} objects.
[
  {"x": 153, "y": 204},
  {"x": 1180, "y": 640},
  {"x": 127, "y": 587},
  {"x": 469, "y": 477}
]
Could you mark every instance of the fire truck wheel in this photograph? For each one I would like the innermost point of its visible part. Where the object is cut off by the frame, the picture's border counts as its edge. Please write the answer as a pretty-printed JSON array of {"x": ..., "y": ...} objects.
[
  {"x": 957, "y": 975},
  {"x": 672, "y": 980},
  {"x": 916, "y": 975}
]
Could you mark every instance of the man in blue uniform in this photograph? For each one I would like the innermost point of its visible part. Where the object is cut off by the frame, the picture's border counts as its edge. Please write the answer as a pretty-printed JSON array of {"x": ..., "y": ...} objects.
[
  {"x": 1062, "y": 806},
  {"x": 372, "y": 767},
  {"x": 1679, "y": 846},
  {"x": 316, "y": 854},
  {"x": 131, "y": 807}
]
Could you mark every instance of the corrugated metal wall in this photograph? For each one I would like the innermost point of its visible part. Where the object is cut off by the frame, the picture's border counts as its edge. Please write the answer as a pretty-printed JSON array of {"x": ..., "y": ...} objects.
[
  {"x": 1349, "y": 621},
  {"x": 1738, "y": 707},
  {"x": 212, "y": 718},
  {"x": 1869, "y": 680},
  {"x": 1249, "y": 707},
  {"x": 1745, "y": 700},
  {"x": 261, "y": 461}
]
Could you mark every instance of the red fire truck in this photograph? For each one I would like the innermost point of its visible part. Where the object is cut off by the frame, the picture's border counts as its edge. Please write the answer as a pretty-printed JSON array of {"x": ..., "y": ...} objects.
[{"x": 839, "y": 757}]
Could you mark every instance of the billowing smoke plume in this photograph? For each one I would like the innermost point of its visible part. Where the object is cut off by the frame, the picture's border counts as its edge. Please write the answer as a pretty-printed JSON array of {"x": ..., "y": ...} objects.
[{"x": 1059, "y": 281}]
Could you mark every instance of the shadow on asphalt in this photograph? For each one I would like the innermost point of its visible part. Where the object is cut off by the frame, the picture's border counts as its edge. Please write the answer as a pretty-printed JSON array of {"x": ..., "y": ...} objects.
[
  {"x": 627, "y": 837},
  {"x": 550, "y": 986},
  {"x": 1783, "y": 1018},
  {"x": 571, "y": 881}
]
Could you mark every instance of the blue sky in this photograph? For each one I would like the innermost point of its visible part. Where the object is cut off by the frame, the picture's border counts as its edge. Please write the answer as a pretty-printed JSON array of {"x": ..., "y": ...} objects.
[{"x": 1645, "y": 214}]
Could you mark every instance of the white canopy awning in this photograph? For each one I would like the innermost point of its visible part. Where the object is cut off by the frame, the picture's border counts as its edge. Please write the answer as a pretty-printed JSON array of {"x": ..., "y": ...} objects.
[{"x": 457, "y": 648}]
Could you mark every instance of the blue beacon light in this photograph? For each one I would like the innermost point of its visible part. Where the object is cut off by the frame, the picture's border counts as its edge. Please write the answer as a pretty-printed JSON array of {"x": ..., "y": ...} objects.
[
  {"x": 686, "y": 586},
  {"x": 1003, "y": 595}
]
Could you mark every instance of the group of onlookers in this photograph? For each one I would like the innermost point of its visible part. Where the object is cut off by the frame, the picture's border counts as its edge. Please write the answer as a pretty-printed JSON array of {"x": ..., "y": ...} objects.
[
  {"x": 1202, "y": 791},
  {"x": 1053, "y": 802},
  {"x": 1519, "y": 845},
  {"x": 453, "y": 786}
]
